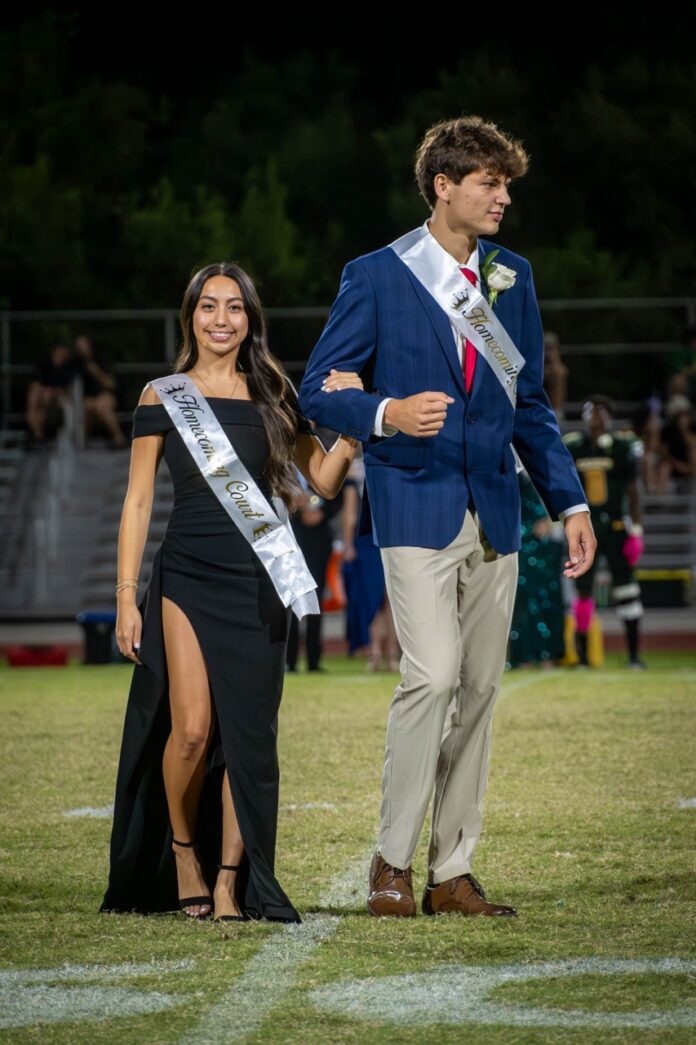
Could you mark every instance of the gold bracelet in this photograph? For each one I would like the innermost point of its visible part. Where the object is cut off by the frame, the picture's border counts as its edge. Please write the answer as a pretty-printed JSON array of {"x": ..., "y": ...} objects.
[{"x": 121, "y": 585}]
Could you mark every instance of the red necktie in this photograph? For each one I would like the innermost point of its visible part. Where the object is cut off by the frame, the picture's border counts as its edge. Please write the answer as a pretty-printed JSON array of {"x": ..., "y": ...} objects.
[{"x": 469, "y": 350}]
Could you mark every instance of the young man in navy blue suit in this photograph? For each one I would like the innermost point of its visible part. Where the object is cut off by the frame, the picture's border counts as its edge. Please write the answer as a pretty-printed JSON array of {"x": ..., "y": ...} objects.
[{"x": 445, "y": 330}]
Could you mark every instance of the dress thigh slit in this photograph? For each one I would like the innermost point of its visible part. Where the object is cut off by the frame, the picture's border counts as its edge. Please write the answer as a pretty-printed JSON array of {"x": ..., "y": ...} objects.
[{"x": 245, "y": 685}]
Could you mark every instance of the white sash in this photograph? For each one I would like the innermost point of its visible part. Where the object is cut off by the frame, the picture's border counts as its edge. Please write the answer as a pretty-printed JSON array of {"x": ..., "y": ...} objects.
[
  {"x": 464, "y": 304},
  {"x": 269, "y": 536}
]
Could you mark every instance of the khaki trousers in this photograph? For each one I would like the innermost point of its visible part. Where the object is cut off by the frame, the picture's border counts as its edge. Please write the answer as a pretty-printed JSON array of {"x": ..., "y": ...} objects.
[{"x": 452, "y": 612}]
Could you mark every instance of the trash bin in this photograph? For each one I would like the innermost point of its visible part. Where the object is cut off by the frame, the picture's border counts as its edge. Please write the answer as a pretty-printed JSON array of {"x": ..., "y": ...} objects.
[{"x": 98, "y": 627}]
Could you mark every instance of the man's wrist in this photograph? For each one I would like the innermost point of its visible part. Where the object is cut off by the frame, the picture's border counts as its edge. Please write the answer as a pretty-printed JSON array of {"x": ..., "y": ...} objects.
[
  {"x": 390, "y": 417},
  {"x": 380, "y": 427},
  {"x": 573, "y": 510}
]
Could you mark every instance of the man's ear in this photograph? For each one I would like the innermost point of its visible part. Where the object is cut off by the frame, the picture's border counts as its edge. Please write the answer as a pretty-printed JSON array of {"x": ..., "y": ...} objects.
[{"x": 442, "y": 186}]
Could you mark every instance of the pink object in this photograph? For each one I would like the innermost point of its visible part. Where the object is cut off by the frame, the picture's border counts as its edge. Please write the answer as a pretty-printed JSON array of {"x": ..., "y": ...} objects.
[
  {"x": 469, "y": 350},
  {"x": 632, "y": 550},
  {"x": 583, "y": 610}
]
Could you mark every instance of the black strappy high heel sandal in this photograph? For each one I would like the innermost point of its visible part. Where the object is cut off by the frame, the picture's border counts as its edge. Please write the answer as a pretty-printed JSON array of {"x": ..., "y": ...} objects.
[
  {"x": 190, "y": 901},
  {"x": 231, "y": 917}
]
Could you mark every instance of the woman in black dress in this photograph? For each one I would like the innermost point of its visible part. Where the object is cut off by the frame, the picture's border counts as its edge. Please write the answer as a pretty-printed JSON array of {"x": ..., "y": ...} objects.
[{"x": 197, "y": 786}]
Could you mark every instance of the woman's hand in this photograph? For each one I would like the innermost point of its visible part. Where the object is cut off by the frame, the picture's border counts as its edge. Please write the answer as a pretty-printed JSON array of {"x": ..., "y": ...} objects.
[
  {"x": 341, "y": 379},
  {"x": 129, "y": 627}
]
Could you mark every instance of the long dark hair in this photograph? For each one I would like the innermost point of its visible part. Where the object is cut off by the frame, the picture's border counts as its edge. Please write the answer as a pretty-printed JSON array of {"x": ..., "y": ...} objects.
[{"x": 269, "y": 388}]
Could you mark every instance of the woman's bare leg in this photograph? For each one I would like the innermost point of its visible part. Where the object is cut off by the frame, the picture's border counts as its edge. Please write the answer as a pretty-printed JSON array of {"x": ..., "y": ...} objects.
[
  {"x": 103, "y": 408},
  {"x": 232, "y": 851},
  {"x": 183, "y": 764}
]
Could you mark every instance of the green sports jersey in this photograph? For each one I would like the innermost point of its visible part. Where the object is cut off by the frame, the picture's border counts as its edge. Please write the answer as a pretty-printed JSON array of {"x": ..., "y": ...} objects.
[{"x": 606, "y": 467}]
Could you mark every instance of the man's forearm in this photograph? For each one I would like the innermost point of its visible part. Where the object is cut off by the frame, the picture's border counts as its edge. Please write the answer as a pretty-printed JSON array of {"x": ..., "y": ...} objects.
[{"x": 349, "y": 410}]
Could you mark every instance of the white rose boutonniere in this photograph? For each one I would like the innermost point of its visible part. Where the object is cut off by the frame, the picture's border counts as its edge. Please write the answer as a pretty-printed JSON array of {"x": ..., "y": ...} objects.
[{"x": 498, "y": 277}]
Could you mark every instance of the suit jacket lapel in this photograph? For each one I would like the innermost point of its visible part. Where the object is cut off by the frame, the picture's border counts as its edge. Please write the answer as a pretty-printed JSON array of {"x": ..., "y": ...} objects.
[{"x": 442, "y": 325}]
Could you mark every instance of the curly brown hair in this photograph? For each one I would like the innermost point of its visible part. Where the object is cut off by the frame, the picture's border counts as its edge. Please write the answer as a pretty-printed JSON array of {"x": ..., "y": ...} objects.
[
  {"x": 468, "y": 143},
  {"x": 268, "y": 385}
]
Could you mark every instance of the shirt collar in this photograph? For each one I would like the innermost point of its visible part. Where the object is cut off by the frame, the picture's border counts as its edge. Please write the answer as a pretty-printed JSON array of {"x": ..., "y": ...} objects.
[{"x": 472, "y": 263}]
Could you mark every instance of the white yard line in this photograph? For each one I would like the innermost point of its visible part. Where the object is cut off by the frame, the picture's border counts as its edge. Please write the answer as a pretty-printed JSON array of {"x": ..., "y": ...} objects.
[
  {"x": 95, "y": 812},
  {"x": 272, "y": 971},
  {"x": 348, "y": 889},
  {"x": 292, "y": 807},
  {"x": 512, "y": 682},
  {"x": 461, "y": 995},
  {"x": 68, "y": 994}
]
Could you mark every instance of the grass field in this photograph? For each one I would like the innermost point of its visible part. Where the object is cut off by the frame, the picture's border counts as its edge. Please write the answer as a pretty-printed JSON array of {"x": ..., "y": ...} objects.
[{"x": 589, "y": 832}]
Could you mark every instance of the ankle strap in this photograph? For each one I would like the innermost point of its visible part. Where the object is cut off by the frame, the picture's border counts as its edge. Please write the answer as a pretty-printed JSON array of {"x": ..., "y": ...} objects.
[
  {"x": 186, "y": 845},
  {"x": 229, "y": 867}
]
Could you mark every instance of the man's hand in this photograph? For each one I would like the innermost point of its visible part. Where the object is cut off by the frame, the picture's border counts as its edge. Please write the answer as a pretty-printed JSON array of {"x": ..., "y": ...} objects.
[
  {"x": 582, "y": 544},
  {"x": 422, "y": 414}
]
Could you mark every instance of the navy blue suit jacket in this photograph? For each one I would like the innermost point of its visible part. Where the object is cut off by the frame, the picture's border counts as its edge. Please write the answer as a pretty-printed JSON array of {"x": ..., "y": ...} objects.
[{"x": 385, "y": 325}]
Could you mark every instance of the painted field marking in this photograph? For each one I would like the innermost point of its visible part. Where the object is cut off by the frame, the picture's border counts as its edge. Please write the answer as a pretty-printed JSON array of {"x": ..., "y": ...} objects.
[
  {"x": 686, "y": 803},
  {"x": 347, "y": 890},
  {"x": 367, "y": 677},
  {"x": 96, "y": 812},
  {"x": 457, "y": 994},
  {"x": 48, "y": 995},
  {"x": 260, "y": 988},
  {"x": 291, "y": 807},
  {"x": 512, "y": 685},
  {"x": 650, "y": 675},
  {"x": 272, "y": 971},
  {"x": 594, "y": 675}
]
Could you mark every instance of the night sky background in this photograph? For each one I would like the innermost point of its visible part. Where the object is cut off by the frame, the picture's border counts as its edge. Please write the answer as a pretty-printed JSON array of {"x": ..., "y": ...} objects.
[{"x": 136, "y": 147}]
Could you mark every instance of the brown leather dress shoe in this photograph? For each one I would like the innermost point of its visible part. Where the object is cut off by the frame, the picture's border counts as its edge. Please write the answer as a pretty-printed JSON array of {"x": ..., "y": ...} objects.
[
  {"x": 462, "y": 895},
  {"x": 391, "y": 890}
]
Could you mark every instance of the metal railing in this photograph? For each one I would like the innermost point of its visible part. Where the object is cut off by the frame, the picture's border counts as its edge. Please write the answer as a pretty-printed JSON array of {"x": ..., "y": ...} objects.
[{"x": 14, "y": 369}]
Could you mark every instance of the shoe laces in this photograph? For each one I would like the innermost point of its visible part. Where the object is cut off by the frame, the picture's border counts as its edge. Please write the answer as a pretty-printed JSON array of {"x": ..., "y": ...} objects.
[
  {"x": 398, "y": 872},
  {"x": 473, "y": 882}
]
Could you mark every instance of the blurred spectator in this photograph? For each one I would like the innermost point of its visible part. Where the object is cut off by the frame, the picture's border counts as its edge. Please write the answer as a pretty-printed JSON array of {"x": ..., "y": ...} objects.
[
  {"x": 47, "y": 392},
  {"x": 683, "y": 365},
  {"x": 369, "y": 620},
  {"x": 100, "y": 401},
  {"x": 608, "y": 465},
  {"x": 312, "y": 528},
  {"x": 679, "y": 441},
  {"x": 652, "y": 473},
  {"x": 679, "y": 385},
  {"x": 555, "y": 373},
  {"x": 536, "y": 635}
]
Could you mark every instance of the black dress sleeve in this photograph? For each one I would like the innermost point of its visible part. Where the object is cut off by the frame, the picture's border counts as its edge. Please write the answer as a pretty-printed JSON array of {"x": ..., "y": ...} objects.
[
  {"x": 304, "y": 426},
  {"x": 150, "y": 420}
]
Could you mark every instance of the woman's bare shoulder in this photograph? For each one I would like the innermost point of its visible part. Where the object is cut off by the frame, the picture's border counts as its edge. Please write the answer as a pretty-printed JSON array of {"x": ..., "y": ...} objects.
[{"x": 148, "y": 397}]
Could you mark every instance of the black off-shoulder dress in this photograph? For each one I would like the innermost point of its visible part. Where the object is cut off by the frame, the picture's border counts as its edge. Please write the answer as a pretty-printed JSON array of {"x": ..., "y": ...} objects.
[{"x": 209, "y": 570}]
